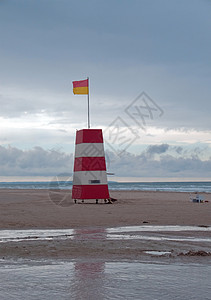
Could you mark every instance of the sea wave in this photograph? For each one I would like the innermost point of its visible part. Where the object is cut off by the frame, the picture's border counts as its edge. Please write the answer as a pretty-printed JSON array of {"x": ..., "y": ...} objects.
[{"x": 136, "y": 186}]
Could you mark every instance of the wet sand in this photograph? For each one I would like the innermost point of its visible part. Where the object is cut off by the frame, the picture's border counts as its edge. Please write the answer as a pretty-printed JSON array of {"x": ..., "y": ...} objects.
[
  {"x": 117, "y": 243},
  {"x": 24, "y": 209}
]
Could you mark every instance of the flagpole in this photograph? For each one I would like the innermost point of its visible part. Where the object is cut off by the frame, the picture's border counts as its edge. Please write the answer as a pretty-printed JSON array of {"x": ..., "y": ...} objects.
[{"x": 88, "y": 105}]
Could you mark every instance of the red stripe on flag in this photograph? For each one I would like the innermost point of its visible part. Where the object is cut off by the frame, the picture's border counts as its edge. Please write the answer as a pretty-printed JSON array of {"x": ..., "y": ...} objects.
[
  {"x": 89, "y": 136},
  {"x": 81, "y": 83},
  {"x": 89, "y": 164},
  {"x": 90, "y": 191}
]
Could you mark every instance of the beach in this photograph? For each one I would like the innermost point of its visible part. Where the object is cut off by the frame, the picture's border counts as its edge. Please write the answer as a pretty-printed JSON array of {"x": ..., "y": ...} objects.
[
  {"x": 24, "y": 209},
  {"x": 43, "y": 223},
  {"x": 140, "y": 246}
]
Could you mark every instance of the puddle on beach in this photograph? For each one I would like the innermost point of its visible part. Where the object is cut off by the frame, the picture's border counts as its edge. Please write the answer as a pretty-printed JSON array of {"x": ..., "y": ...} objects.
[
  {"x": 34, "y": 234},
  {"x": 145, "y": 232},
  {"x": 157, "y": 253},
  {"x": 102, "y": 278},
  {"x": 88, "y": 279},
  {"x": 159, "y": 228}
]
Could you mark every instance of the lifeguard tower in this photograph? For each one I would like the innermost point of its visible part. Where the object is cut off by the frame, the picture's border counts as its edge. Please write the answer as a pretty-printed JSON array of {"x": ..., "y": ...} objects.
[{"x": 89, "y": 175}]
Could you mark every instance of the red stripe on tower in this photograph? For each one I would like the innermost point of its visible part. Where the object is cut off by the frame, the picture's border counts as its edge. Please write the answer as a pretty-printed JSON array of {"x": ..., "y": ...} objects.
[
  {"x": 89, "y": 136},
  {"x": 89, "y": 178},
  {"x": 90, "y": 164}
]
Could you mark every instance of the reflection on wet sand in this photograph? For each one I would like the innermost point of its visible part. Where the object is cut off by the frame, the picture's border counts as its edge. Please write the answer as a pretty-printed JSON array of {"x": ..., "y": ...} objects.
[
  {"x": 89, "y": 275},
  {"x": 56, "y": 279}
]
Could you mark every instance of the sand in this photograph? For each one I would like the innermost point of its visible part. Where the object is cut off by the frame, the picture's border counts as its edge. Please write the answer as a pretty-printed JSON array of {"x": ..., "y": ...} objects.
[
  {"x": 44, "y": 209},
  {"x": 24, "y": 209}
]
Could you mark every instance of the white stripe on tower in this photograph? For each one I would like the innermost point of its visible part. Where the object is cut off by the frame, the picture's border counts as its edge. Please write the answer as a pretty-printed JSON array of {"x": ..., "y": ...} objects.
[
  {"x": 89, "y": 150},
  {"x": 90, "y": 177}
]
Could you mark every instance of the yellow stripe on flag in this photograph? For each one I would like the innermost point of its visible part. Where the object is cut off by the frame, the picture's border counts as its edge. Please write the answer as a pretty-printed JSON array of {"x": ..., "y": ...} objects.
[{"x": 83, "y": 90}]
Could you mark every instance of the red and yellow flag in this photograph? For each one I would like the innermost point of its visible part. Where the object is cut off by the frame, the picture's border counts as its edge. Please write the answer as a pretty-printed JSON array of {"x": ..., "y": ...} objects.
[{"x": 81, "y": 87}]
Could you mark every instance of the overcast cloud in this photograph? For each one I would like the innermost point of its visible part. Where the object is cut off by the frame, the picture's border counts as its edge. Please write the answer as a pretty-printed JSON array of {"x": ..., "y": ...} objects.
[
  {"x": 155, "y": 161},
  {"x": 161, "y": 47},
  {"x": 34, "y": 162}
]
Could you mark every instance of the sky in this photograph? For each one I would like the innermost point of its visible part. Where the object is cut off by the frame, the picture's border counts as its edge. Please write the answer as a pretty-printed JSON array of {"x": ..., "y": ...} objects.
[{"x": 149, "y": 69}]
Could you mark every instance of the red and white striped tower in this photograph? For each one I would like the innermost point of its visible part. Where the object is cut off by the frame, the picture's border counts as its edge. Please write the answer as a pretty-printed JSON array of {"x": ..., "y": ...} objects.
[{"x": 89, "y": 178}]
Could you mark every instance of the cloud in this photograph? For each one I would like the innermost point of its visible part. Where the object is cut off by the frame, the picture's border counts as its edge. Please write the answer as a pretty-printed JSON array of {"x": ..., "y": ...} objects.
[
  {"x": 142, "y": 48},
  {"x": 34, "y": 162},
  {"x": 137, "y": 47},
  {"x": 157, "y": 149},
  {"x": 178, "y": 149},
  {"x": 163, "y": 165},
  {"x": 155, "y": 161}
]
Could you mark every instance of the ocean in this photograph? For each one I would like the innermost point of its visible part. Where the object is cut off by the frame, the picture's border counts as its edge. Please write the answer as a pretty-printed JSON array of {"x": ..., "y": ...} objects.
[{"x": 191, "y": 187}]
